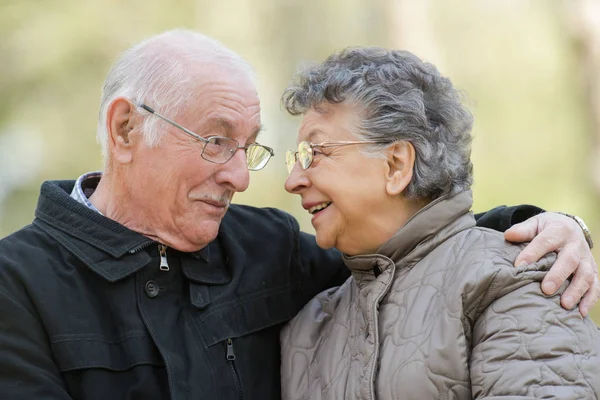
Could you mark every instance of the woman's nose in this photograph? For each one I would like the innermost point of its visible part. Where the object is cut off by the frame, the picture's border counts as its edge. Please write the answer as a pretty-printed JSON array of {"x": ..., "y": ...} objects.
[{"x": 297, "y": 180}]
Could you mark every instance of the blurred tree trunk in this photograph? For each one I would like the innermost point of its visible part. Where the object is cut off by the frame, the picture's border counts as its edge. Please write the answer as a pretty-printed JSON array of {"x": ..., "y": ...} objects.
[
  {"x": 410, "y": 27},
  {"x": 584, "y": 23}
]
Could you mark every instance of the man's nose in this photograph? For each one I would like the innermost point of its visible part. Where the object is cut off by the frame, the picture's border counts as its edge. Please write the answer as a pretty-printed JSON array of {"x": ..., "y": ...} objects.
[{"x": 235, "y": 172}]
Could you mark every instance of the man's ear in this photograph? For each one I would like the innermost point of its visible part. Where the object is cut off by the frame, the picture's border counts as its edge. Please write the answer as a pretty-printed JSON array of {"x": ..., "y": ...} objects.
[
  {"x": 121, "y": 121},
  {"x": 400, "y": 164}
]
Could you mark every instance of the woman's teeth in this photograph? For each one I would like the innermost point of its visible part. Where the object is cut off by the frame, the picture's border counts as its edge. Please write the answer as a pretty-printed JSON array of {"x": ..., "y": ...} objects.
[{"x": 319, "y": 207}]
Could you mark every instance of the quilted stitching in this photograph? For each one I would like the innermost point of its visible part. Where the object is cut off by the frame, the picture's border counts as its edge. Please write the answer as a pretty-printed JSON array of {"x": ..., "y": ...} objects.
[{"x": 459, "y": 323}]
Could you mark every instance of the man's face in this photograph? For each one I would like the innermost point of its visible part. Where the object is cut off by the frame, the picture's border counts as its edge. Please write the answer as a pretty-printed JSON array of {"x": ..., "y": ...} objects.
[{"x": 185, "y": 196}]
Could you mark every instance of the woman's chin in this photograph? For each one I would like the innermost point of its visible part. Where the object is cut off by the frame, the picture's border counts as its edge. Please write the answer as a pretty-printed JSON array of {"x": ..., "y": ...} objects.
[{"x": 324, "y": 242}]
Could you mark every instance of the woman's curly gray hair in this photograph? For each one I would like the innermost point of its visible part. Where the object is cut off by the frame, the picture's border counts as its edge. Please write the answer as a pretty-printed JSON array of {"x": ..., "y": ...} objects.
[{"x": 400, "y": 98}]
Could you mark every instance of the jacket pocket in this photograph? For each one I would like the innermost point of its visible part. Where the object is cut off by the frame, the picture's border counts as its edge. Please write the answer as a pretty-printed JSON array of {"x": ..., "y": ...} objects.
[
  {"x": 74, "y": 352},
  {"x": 245, "y": 316}
]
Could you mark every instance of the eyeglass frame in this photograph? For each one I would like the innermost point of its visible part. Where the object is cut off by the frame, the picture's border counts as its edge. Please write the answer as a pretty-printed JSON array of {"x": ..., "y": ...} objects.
[
  {"x": 207, "y": 140},
  {"x": 325, "y": 144}
]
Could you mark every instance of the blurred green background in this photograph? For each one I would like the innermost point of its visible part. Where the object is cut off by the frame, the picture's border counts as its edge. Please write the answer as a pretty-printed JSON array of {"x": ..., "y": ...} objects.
[{"x": 530, "y": 69}]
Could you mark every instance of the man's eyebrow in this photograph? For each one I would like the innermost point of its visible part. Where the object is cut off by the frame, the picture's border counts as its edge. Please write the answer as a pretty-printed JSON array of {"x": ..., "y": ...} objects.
[
  {"x": 223, "y": 127},
  {"x": 220, "y": 125},
  {"x": 255, "y": 134}
]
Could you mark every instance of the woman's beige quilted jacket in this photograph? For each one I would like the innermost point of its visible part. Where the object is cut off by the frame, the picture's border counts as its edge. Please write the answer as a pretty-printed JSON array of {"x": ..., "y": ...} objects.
[{"x": 441, "y": 313}]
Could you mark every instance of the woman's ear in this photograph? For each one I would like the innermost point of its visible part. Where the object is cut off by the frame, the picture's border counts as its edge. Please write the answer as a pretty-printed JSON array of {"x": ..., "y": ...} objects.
[
  {"x": 120, "y": 122},
  {"x": 400, "y": 164}
]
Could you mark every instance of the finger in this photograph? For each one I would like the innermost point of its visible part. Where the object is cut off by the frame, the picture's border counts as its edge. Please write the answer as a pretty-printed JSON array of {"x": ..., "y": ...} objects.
[
  {"x": 590, "y": 298},
  {"x": 567, "y": 261},
  {"x": 522, "y": 232},
  {"x": 583, "y": 280},
  {"x": 541, "y": 245},
  {"x": 588, "y": 302}
]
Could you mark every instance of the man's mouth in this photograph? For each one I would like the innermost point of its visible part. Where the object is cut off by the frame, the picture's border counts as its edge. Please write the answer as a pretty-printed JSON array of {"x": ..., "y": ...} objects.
[
  {"x": 220, "y": 204},
  {"x": 218, "y": 201},
  {"x": 319, "y": 207}
]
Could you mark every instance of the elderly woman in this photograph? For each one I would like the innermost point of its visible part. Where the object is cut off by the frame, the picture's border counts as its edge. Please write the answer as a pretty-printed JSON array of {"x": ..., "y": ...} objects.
[{"x": 434, "y": 308}]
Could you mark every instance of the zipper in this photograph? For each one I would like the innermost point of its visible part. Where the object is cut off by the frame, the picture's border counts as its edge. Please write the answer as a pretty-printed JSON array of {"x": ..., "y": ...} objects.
[
  {"x": 231, "y": 359},
  {"x": 164, "y": 264},
  {"x": 375, "y": 328},
  {"x": 140, "y": 247}
]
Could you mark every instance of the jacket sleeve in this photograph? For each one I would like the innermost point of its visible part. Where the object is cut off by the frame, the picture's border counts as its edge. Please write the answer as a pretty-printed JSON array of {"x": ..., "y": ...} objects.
[
  {"x": 27, "y": 370},
  {"x": 526, "y": 346},
  {"x": 501, "y": 218}
]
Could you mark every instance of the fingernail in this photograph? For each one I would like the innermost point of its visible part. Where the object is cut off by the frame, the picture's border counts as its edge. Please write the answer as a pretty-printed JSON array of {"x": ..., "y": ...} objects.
[
  {"x": 569, "y": 302},
  {"x": 521, "y": 263},
  {"x": 549, "y": 287}
]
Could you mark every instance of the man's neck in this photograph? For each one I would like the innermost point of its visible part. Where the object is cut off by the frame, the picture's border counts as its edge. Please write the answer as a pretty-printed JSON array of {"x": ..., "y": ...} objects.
[
  {"x": 112, "y": 199},
  {"x": 97, "y": 197}
]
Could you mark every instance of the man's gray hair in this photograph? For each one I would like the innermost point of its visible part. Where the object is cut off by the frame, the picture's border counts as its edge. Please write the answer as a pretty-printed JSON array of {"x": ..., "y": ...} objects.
[
  {"x": 399, "y": 98},
  {"x": 160, "y": 71}
]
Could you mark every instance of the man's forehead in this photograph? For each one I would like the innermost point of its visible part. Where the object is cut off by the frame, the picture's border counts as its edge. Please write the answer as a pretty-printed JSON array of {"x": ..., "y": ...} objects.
[
  {"x": 228, "y": 124},
  {"x": 230, "y": 75}
]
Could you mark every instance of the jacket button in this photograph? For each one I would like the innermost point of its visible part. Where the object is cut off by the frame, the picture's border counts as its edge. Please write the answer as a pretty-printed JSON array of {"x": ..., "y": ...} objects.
[{"x": 152, "y": 289}]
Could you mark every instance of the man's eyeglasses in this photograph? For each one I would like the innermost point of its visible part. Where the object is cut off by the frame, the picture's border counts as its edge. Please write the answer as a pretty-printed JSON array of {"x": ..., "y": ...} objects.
[
  {"x": 306, "y": 151},
  {"x": 220, "y": 149}
]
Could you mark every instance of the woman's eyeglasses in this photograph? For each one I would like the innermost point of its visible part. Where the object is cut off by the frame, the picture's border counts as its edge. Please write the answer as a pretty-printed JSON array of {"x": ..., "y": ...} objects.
[{"x": 306, "y": 151}]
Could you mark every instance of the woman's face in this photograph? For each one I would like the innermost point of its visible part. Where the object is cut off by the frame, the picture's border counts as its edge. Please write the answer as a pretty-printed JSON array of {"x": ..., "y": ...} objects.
[{"x": 344, "y": 190}]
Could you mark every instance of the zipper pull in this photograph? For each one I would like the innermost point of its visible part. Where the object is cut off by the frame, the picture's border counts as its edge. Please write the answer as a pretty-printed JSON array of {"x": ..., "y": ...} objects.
[
  {"x": 162, "y": 250},
  {"x": 230, "y": 353}
]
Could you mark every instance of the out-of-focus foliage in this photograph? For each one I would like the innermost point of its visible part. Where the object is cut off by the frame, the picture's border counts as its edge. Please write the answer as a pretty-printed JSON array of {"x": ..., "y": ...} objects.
[{"x": 517, "y": 60}]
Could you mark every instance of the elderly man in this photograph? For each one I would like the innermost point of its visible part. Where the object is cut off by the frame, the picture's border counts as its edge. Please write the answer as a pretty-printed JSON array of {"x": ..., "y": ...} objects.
[{"x": 142, "y": 282}]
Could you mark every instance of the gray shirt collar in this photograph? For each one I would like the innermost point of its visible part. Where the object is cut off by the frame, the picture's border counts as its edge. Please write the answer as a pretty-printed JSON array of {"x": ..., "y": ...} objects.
[{"x": 84, "y": 187}]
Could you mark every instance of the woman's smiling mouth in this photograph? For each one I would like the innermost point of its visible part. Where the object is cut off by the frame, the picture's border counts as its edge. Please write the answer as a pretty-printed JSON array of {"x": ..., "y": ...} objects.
[{"x": 316, "y": 208}]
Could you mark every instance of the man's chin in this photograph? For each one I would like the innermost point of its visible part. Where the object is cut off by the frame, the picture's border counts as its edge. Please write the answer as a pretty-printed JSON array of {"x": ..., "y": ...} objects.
[{"x": 199, "y": 235}]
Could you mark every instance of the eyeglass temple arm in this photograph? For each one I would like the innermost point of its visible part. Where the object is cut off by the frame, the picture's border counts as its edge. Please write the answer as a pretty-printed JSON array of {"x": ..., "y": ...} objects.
[
  {"x": 150, "y": 110},
  {"x": 145, "y": 107},
  {"x": 341, "y": 143},
  {"x": 175, "y": 124}
]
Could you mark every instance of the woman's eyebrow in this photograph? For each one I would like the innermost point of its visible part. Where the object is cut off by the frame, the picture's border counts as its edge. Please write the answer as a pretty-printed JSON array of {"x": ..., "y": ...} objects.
[{"x": 316, "y": 134}]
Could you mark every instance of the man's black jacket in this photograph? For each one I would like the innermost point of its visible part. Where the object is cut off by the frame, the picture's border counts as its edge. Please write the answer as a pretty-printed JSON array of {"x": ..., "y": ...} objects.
[{"x": 86, "y": 312}]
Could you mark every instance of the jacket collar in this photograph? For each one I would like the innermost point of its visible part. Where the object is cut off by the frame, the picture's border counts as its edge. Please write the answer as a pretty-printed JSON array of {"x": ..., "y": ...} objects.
[
  {"x": 424, "y": 231},
  {"x": 57, "y": 209},
  {"x": 110, "y": 249}
]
